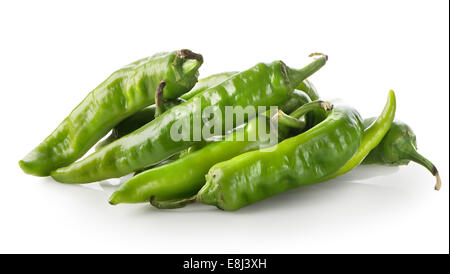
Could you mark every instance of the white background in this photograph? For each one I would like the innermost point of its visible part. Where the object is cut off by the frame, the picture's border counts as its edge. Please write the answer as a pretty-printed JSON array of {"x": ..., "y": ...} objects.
[{"x": 52, "y": 53}]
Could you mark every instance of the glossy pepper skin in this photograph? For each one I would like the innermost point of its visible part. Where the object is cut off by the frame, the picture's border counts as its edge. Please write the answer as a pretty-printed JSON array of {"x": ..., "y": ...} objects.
[
  {"x": 122, "y": 94},
  {"x": 134, "y": 122},
  {"x": 147, "y": 114},
  {"x": 297, "y": 97},
  {"x": 262, "y": 85},
  {"x": 310, "y": 90},
  {"x": 399, "y": 147},
  {"x": 206, "y": 83},
  {"x": 185, "y": 176},
  {"x": 301, "y": 160},
  {"x": 373, "y": 134}
]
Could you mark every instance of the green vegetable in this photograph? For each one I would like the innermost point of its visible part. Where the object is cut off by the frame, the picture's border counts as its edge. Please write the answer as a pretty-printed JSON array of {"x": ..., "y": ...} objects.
[
  {"x": 185, "y": 176},
  {"x": 373, "y": 134},
  {"x": 309, "y": 89},
  {"x": 208, "y": 82},
  {"x": 134, "y": 122},
  {"x": 122, "y": 94},
  {"x": 399, "y": 147},
  {"x": 148, "y": 114},
  {"x": 297, "y": 98},
  {"x": 262, "y": 85},
  {"x": 301, "y": 160}
]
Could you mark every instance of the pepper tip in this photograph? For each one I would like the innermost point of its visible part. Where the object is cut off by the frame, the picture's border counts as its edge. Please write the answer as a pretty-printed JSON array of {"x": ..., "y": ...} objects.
[
  {"x": 319, "y": 54},
  {"x": 113, "y": 199},
  {"x": 188, "y": 54}
]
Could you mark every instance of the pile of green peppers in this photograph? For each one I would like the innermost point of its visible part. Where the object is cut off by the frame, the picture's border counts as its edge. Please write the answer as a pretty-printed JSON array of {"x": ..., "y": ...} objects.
[{"x": 139, "y": 104}]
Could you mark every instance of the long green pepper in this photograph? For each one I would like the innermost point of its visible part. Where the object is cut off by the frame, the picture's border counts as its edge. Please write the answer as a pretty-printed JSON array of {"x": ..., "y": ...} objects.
[
  {"x": 399, "y": 147},
  {"x": 134, "y": 122},
  {"x": 301, "y": 160},
  {"x": 122, "y": 94},
  {"x": 373, "y": 134},
  {"x": 148, "y": 114},
  {"x": 185, "y": 176},
  {"x": 262, "y": 85},
  {"x": 297, "y": 98}
]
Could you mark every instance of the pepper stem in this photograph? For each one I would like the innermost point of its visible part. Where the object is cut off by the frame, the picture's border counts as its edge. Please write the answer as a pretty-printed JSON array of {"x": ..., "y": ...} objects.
[
  {"x": 171, "y": 204},
  {"x": 437, "y": 186},
  {"x": 318, "y": 104},
  {"x": 191, "y": 61},
  {"x": 289, "y": 121},
  {"x": 293, "y": 119},
  {"x": 159, "y": 98},
  {"x": 419, "y": 159},
  {"x": 188, "y": 54},
  {"x": 296, "y": 76}
]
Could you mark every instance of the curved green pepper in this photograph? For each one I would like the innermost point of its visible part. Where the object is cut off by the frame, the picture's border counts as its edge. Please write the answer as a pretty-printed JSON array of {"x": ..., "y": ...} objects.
[
  {"x": 207, "y": 82},
  {"x": 122, "y": 94},
  {"x": 297, "y": 98},
  {"x": 262, "y": 85},
  {"x": 309, "y": 89},
  {"x": 148, "y": 114},
  {"x": 399, "y": 147},
  {"x": 301, "y": 160},
  {"x": 134, "y": 122},
  {"x": 373, "y": 135},
  {"x": 185, "y": 176}
]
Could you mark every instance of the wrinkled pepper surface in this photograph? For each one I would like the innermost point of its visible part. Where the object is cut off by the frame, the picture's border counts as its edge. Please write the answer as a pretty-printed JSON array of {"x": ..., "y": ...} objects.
[
  {"x": 263, "y": 85},
  {"x": 148, "y": 114},
  {"x": 301, "y": 160},
  {"x": 399, "y": 147},
  {"x": 185, "y": 176},
  {"x": 122, "y": 94}
]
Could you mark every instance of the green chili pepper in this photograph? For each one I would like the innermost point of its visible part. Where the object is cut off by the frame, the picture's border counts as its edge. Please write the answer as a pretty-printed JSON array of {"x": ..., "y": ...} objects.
[
  {"x": 134, "y": 122},
  {"x": 399, "y": 147},
  {"x": 373, "y": 135},
  {"x": 148, "y": 114},
  {"x": 124, "y": 93},
  {"x": 262, "y": 85},
  {"x": 298, "y": 98},
  {"x": 301, "y": 160},
  {"x": 309, "y": 89},
  {"x": 185, "y": 176},
  {"x": 208, "y": 82}
]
